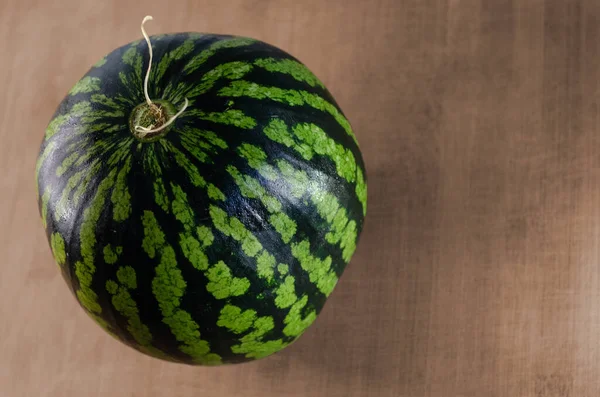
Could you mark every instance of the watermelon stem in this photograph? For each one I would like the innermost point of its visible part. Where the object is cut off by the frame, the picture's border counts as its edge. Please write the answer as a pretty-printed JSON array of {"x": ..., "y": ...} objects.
[{"x": 159, "y": 123}]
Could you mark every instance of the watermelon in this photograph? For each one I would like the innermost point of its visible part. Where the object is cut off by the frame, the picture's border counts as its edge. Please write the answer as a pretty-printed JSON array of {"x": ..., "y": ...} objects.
[{"x": 209, "y": 225}]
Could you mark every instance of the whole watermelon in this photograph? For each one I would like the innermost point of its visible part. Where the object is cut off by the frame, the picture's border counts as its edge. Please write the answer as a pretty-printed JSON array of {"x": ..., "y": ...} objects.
[{"x": 218, "y": 239}]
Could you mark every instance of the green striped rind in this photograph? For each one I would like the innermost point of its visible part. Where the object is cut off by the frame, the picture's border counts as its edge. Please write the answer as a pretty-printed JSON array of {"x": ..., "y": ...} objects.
[
  {"x": 127, "y": 307},
  {"x": 85, "y": 268},
  {"x": 290, "y": 97},
  {"x": 200, "y": 247},
  {"x": 86, "y": 85},
  {"x": 168, "y": 287},
  {"x": 196, "y": 61},
  {"x": 78, "y": 110},
  {"x": 287, "y": 66},
  {"x": 310, "y": 140},
  {"x": 57, "y": 243},
  {"x": 121, "y": 199}
]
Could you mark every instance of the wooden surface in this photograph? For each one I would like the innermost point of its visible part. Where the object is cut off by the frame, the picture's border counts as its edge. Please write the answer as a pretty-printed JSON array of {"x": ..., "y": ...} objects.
[{"x": 478, "y": 269}]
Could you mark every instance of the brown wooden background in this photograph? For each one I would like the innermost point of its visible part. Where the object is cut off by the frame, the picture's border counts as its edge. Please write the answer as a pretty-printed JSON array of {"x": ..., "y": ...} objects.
[{"x": 478, "y": 269}]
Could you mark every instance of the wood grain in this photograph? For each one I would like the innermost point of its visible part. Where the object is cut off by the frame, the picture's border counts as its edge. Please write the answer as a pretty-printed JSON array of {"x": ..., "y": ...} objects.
[{"x": 478, "y": 270}]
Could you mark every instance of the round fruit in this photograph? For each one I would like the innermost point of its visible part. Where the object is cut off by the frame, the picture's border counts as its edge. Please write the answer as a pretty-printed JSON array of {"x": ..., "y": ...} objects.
[{"x": 214, "y": 235}]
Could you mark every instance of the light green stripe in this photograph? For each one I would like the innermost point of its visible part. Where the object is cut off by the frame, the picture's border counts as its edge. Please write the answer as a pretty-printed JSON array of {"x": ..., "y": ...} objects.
[
  {"x": 127, "y": 307},
  {"x": 277, "y": 130},
  {"x": 192, "y": 171},
  {"x": 283, "y": 269},
  {"x": 286, "y": 293},
  {"x": 256, "y": 158},
  {"x": 231, "y": 226},
  {"x": 265, "y": 265},
  {"x": 341, "y": 229},
  {"x": 190, "y": 246},
  {"x": 215, "y": 193},
  {"x": 284, "y": 225},
  {"x": 152, "y": 166},
  {"x": 86, "y": 85},
  {"x": 222, "y": 284},
  {"x": 121, "y": 150},
  {"x": 290, "y": 67},
  {"x": 170, "y": 57},
  {"x": 62, "y": 206},
  {"x": 168, "y": 287},
  {"x": 58, "y": 248},
  {"x": 313, "y": 136},
  {"x": 193, "y": 250},
  {"x": 202, "y": 57},
  {"x": 86, "y": 268},
  {"x": 134, "y": 59},
  {"x": 121, "y": 198},
  {"x": 297, "y": 179},
  {"x": 116, "y": 108},
  {"x": 310, "y": 139},
  {"x": 253, "y": 343},
  {"x": 40, "y": 161},
  {"x": 160, "y": 194},
  {"x": 45, "y": 199},
  {"x": 90, "y": 173},
  {"x": 201, "y": 143},
  {"x": 233, "y": 117},
  {"x": 78, "y": 110},
  {"x": 232, "y": 318},
  {"x": 319, "y": 270},
  {"x": 67, "y": 163},
  {"x": 251, "y": 188},
  {"x": 111, "y": 255},
  {"x": 295, "y": 324},
  {"x": 195, "y": 146},
  {"x": 231, "y": 71},
  {"x": 361, "y": 189},
  {"x": 248, "y": 89},
  {"x": 181, "y": 209}
]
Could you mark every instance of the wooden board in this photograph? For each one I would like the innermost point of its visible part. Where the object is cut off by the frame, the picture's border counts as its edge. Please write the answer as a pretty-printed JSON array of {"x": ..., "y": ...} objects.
[{"x": 478, "y": 270}]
